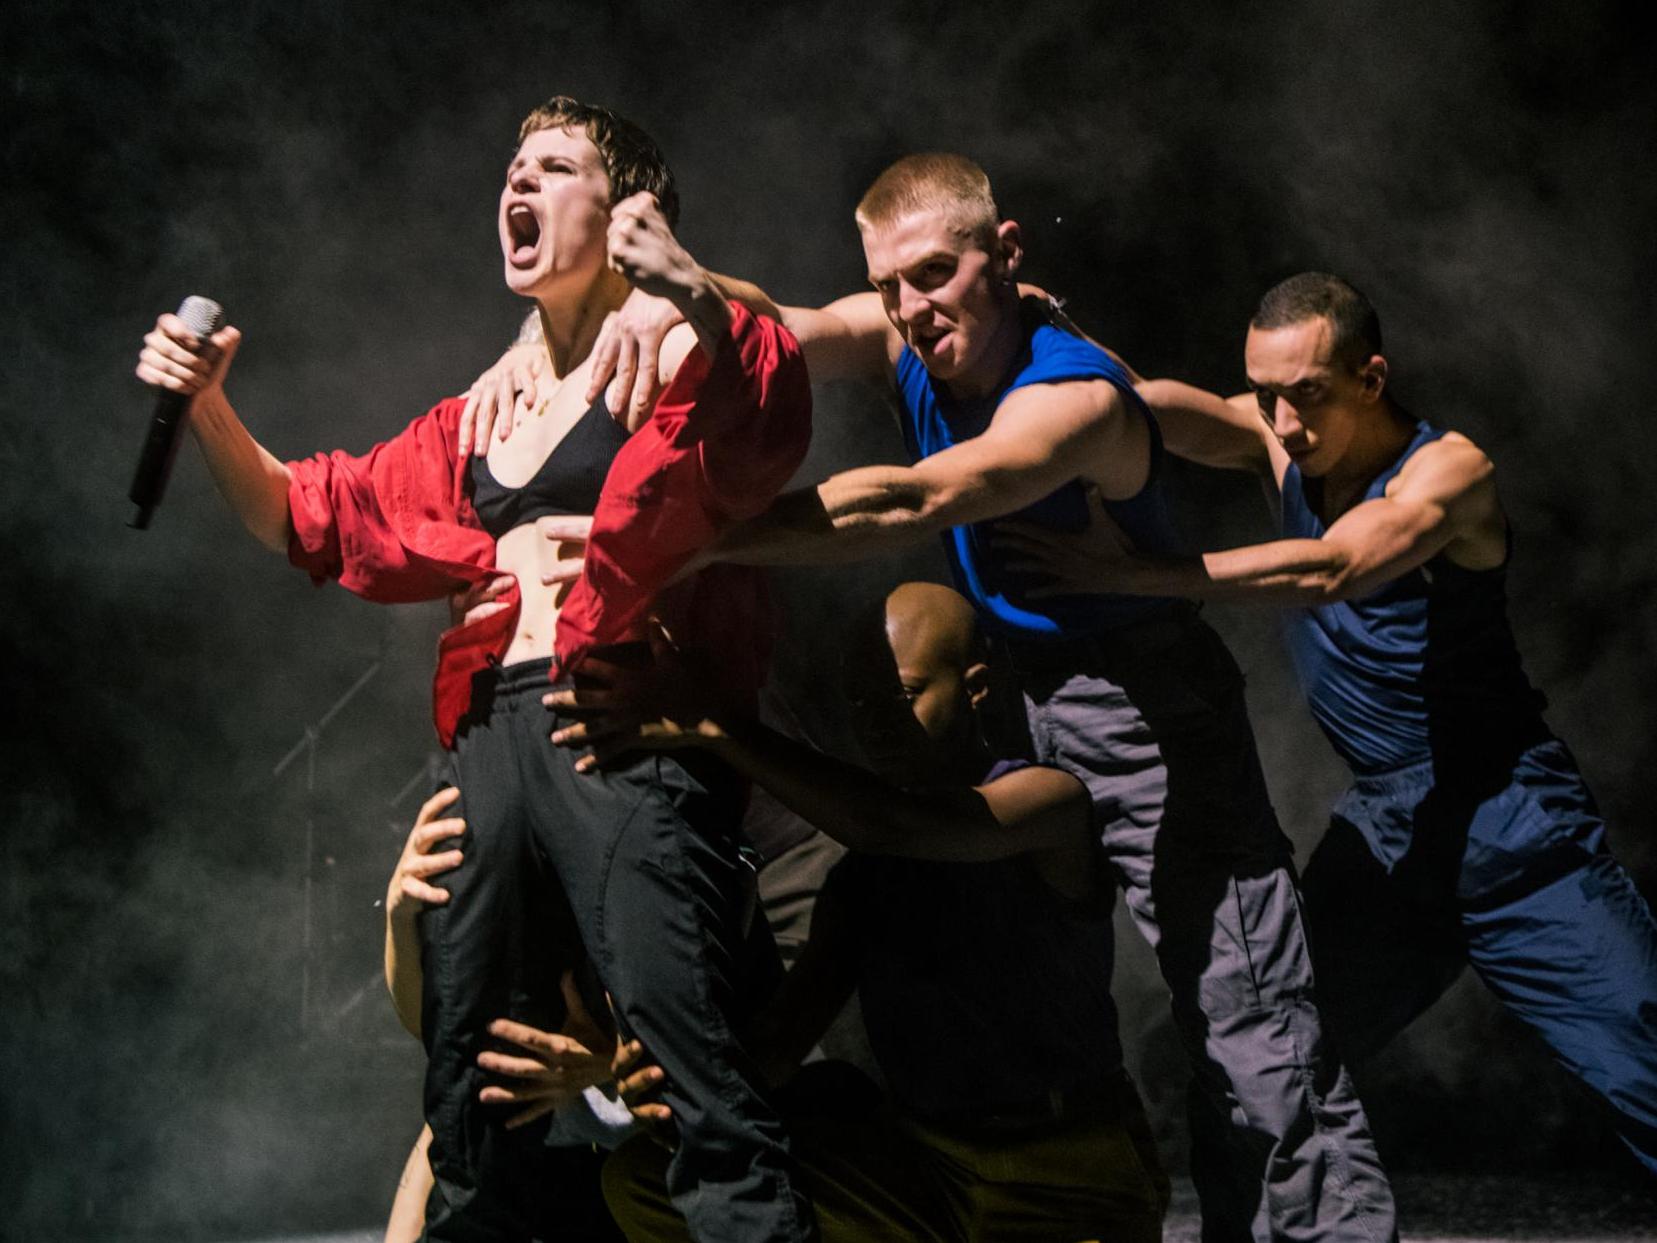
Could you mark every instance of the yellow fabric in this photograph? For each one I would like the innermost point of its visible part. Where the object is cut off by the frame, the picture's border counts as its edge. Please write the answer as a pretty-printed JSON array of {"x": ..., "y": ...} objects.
[{"x": 886, "y": 1179}]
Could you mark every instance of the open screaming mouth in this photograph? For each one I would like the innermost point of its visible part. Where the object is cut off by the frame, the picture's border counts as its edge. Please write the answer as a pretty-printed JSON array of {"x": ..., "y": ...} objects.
[{"x": 524, "y": 231}]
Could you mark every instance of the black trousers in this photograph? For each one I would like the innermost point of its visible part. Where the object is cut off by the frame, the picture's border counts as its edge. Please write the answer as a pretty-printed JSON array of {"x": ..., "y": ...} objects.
[{"x": 639, "y": 868}]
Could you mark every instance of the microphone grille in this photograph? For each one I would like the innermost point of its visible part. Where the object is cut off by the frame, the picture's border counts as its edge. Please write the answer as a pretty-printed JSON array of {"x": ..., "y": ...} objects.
[{"x": 201, "y": 316}]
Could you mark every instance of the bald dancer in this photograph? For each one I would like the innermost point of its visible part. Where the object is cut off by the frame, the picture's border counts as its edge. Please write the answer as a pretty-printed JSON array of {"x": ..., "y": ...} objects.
[{"x": 972, "y": 915}]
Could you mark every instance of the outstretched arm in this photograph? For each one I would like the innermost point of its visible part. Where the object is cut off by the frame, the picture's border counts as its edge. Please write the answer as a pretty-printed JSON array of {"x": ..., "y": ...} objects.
[
  {"x": 1214, "y": 431},
  {"x": 849, "y": 339},
  {"x": 1443, "y": 499},
  {"x": 1030, "y": 810},
  {"x": 1034, "y": 445},
  {"x": 247, "y": 475},
  {"x": 669, "y": 708}
]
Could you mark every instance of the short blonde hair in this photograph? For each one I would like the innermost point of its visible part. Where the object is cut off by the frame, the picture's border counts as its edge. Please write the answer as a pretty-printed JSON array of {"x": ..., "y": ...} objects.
[
  {"x": 935, "y": 181},
  {"x": 632, "y": 160}
]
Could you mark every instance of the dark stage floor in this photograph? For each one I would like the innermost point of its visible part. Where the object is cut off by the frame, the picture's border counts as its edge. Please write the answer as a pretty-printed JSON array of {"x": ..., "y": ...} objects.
[{"x": 1437, "y": 1208}]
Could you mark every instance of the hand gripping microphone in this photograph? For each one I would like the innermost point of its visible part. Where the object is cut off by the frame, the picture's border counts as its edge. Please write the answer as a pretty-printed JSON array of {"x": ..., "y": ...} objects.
[{"x": 203, "y": 317}]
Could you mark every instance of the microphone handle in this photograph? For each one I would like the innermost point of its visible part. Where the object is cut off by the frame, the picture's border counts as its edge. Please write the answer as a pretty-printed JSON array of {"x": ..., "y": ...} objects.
[
  {"x": 155, "y": 463},
  {"x": 203, "y": 317}
]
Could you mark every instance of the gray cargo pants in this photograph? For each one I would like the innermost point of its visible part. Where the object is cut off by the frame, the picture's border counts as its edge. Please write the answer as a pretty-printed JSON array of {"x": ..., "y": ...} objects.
[{"x": 1152, "y": 718}]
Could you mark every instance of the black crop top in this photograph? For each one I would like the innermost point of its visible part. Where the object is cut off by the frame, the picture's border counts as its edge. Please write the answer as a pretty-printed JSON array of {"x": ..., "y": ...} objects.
[{"x": 568, "y": 482}]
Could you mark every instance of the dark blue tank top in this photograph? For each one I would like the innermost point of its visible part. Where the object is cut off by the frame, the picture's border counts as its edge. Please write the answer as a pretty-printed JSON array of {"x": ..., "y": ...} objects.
[
  {"x": 978, "y": 982},
  {"x": 933, "y": 421},
  {"x": 1425, "y": 667}
]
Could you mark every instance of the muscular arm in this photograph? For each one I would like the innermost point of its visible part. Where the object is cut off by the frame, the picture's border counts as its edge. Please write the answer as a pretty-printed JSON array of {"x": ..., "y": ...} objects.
[
  {"x": 1032, "y": 447},
  {"x": 1444, "y": 498},
  {"x": 1205, "y": 428},
  {"x": 849, "y": 339}
]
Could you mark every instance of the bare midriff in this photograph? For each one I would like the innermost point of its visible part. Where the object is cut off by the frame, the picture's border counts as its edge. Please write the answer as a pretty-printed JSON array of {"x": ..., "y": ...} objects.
[{"x": 526, "y": 553}]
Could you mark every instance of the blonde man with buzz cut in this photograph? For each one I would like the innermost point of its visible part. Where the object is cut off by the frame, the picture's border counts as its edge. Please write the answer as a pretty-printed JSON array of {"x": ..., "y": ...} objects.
[{"x": 1007, "y": 415}]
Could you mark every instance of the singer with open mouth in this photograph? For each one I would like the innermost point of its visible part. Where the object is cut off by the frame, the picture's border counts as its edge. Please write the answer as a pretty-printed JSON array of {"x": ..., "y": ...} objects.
[{"x": 641, "y": 863}]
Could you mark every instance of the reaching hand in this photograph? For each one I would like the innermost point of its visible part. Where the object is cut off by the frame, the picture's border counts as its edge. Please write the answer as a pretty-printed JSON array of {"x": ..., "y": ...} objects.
[
  {"x": 548, "y": 1070},
  {"x": 496, "y": 393},
  {"x": 627, "y": 356},
  {"x": 638, "y": 1084},
  {"x": 563, "y": 550},
  {"x": 1084, "y": 563},
  {"x": 480, "y": 600},
  {"x": 664, "y": 707},
  {"x": 175, "y": 359},
  {"x": 411, "y": 889}
]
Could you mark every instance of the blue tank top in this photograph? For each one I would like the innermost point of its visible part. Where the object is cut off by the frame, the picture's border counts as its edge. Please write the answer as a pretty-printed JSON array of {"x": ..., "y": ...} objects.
[
  {"x": 933, "y": 421},
  {"x": 1425, "y": 667},
  {"x": 982, "y": 988}
]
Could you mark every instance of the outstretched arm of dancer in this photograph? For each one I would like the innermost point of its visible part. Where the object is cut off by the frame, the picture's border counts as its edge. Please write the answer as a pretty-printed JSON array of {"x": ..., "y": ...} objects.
[
  {"x": 671, "y": 707},
  {"x": 1446, "y": 493},
  {"x": 1032, "y": 447}
]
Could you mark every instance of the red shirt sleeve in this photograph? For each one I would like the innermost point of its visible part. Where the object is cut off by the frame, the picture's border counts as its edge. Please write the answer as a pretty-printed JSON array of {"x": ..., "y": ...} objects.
[
  {"x": 724, "y": 438},
  {"x": 392, "y": 525}
]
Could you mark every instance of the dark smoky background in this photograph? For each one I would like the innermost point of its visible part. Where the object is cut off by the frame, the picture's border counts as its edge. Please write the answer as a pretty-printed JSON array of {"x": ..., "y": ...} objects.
[{"x": 212, "y": 764}]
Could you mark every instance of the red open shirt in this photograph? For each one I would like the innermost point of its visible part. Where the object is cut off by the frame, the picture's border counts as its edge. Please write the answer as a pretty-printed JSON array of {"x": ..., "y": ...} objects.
[{"x": 395, "y": 525}]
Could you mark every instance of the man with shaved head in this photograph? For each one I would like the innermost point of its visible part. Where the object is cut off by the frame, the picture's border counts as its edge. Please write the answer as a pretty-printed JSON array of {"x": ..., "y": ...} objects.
[{"x": 973, "y": 918}]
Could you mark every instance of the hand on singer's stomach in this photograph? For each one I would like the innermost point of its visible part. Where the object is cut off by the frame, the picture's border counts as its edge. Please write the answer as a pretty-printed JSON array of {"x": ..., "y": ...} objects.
[{"x": 561, "y": 549}]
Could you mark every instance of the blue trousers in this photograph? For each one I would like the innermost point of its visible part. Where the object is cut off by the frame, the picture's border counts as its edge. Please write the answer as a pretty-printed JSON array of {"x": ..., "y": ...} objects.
[
  {"x": 1153, "y": 721},
  {"x": 1500, "y": 863}
]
